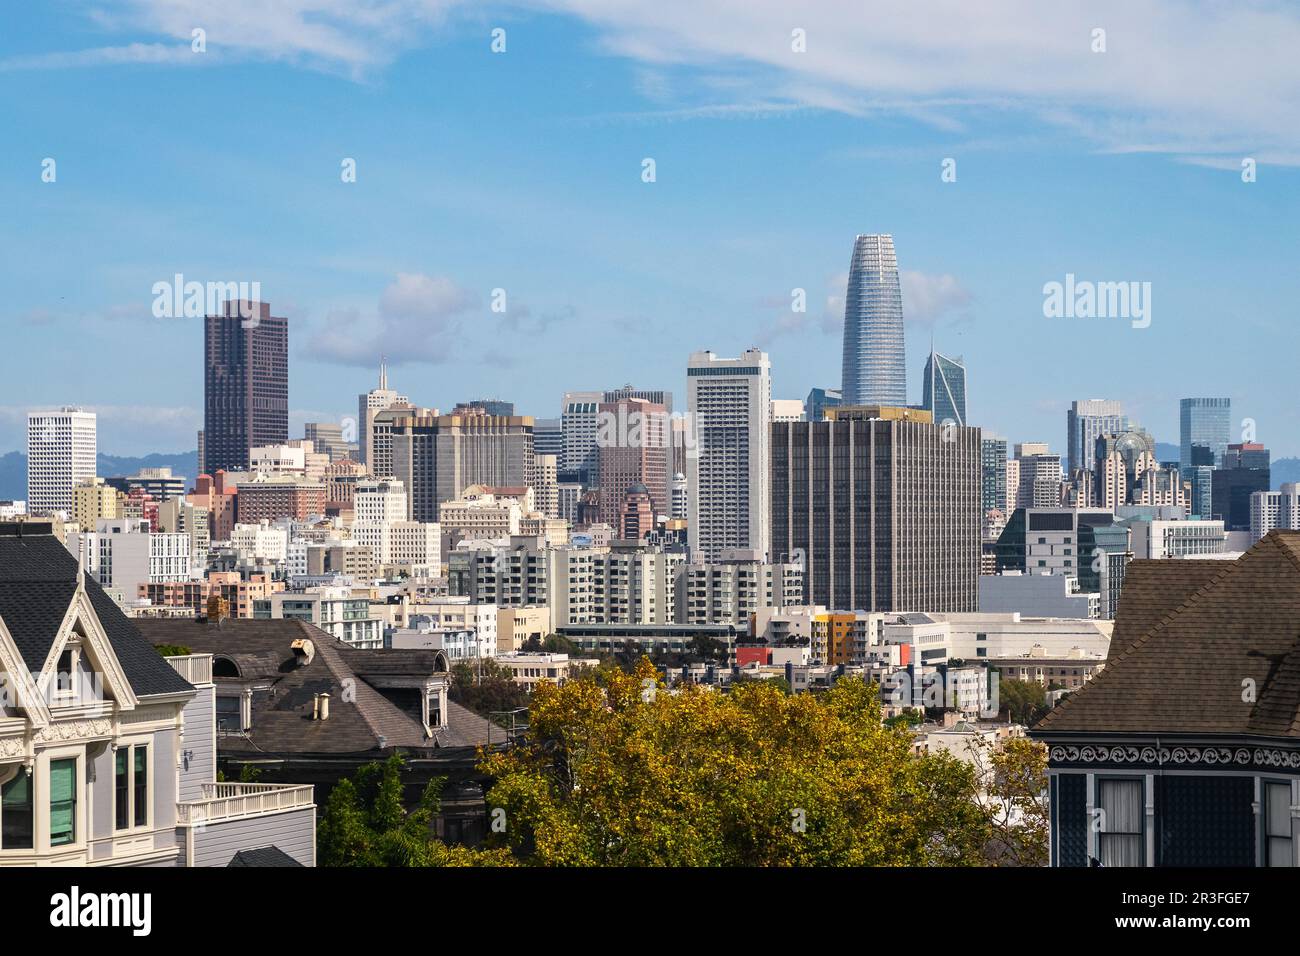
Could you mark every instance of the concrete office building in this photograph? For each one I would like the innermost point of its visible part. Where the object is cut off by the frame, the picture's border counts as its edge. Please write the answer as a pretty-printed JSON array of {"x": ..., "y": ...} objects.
[
  {"x": 438, "y": 457},
  {"x": 727, "y": 476},
  {"x": 885, "y": 513},
  {"x": 61, "y": 452},
  {"x": 368, "y": 405}
]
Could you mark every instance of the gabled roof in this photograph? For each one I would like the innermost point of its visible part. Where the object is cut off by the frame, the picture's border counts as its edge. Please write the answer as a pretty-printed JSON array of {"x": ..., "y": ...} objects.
[
  {"x": 38, "y": 579},
  {"x": 263, "y": 856},
  {"x": 1200, "y": 648},
  {"x": 361, "y": 720}
]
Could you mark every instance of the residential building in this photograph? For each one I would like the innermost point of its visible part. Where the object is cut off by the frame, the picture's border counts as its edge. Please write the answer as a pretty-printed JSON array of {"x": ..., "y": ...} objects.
[
  {"x": 732, "y": 589},
  {"x": 517, "y": 626},
  {"x": 993, "y": 472},
  {"x": 332, "y": 609},
  {"x": 269, "y": 497},
  {"x": 107, "y": 750},
  {"x": 92, "y": 499},
  {"x": 121, "y": 554},
  {"x": 61, "y": 452},
  {"x": 246, "y": 383},
  {"x": 787, "y": 410},
  {"x": 1188, "y": 732}
]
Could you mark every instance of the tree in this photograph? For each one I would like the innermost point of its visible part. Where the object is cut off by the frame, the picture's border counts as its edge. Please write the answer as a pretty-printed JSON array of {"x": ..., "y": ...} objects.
[
  {"x": 780, "y": 683},
  {"x": 486, "y": 687},
  {"x": 365, "y": 824},
  {"x": 1024, "y": 701},
  {"x": 1017, "y": 793},
  {"x": 627, "y": 775}
]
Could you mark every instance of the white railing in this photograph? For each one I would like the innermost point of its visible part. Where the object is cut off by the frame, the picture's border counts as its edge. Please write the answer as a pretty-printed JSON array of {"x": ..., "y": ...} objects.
[
  {"x": 195, "y": 668},
  {"x": 234, "y": 801}
]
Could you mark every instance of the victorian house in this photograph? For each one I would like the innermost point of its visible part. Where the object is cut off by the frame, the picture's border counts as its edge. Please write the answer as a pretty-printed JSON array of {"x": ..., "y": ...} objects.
[
  {"x": 1185, "y": 749},
  {"x": 107, "y": 748}
]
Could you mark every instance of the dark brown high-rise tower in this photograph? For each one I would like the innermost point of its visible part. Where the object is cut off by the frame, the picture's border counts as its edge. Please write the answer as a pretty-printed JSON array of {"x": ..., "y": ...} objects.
[{"x": 246, "y": 383}]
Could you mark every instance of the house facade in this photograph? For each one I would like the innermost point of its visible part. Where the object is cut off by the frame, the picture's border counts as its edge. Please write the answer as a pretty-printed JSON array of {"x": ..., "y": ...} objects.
[
  {"x": 1185, "y": 749},
  {"x": 107, "y": 749}
]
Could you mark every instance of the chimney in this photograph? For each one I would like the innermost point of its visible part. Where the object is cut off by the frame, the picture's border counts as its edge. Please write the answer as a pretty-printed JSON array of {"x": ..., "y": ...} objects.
[
  {"x": 315, "y": 707},
  {"x": 303, "y": 651},
  {"x": 324, "y": 706}
]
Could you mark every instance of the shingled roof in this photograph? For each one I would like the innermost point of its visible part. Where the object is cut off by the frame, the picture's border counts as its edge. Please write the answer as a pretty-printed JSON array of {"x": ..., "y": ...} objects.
[
  {"x": 38, "y": 578},
  {"x": 361, "y": 721},
  {"x": 1191, "y": 639}
]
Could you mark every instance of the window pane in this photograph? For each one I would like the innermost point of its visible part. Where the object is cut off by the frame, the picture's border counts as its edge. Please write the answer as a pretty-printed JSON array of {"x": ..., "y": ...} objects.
[
  {"x": 121, "y": 784},
  {"x": 63, "y": 802},
  {"x": 16, "y": 813},
  {"x": 1279, "y": 809},
  {"x": 141, "y": 785},
  {"x": 1120, "y": 842}
]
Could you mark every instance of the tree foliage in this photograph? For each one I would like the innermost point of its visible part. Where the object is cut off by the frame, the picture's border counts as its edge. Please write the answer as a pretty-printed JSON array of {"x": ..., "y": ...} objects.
[
  {"x": 628, "y": 774},
  {"x": 1024, "y": 701},
  {"x": 1017, "y": 791},
  {"x": 366, "y": 824},
  {"x": 486, "y": 687}
]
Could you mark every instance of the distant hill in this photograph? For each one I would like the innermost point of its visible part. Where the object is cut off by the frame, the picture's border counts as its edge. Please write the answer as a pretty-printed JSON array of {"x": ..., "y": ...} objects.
[
  {"x": 1167, "y": 452},
  {"x": 13, "y": 468}
]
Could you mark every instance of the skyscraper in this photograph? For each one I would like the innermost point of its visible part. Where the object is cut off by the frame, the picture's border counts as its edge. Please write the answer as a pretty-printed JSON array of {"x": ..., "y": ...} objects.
[
  {"x": 436, "y": 457},
  {"x": 632, "y": 437},
  {"x": 874, "y": 355},
  {"x": 578, "y": 427},
  {"x": 1085, "y": 422},
  {"x": 61, "y": 450},
  {"x": 1204, "y": 421},
  {"x": 727, "y": 473},
  {"x": 246, "y": 383},
  {"x": 884, "y": 506},
  {"x": 993, "y": 472},
  {"x": 368, "y": 405},
  {"x": 820, "y": 399},
  {"x": 944, "y": 391}
]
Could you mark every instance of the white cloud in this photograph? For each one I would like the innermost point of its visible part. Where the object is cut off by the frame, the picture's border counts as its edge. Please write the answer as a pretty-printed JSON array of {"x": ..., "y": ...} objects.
[
  {"x": 416, "y": 320},
  {"x": 927, "y": 299}
]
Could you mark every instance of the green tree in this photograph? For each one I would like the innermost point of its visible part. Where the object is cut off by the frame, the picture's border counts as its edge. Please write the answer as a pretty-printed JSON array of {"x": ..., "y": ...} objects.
[
  {"x": 1024, "y": 701},
  {"x": 486, "y": 687},
  {"x": 627, "y": 775},
  {"x": 366, "y": 824}
]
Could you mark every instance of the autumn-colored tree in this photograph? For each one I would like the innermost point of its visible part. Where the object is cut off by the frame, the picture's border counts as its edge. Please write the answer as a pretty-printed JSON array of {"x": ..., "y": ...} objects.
[
  {"x": 629, "y": 774},
  {"x": 1017, "y": 796},
  {"x": 365, "y": 824}
]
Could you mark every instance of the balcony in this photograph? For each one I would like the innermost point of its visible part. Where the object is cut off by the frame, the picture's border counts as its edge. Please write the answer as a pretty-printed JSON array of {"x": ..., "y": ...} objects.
[
  {"x": 195, "y": 668},
  {"x": 237, "y": 801}
]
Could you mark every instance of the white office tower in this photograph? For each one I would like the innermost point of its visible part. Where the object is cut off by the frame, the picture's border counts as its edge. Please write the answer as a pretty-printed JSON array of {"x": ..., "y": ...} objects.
[
  {"x": 373, "y": 401},
  {"x": 578, "y": 460},
  {"x": 380, "y": 501},
  {"x": 61, "y": 449},
  {"x": 728, "y": 463}
]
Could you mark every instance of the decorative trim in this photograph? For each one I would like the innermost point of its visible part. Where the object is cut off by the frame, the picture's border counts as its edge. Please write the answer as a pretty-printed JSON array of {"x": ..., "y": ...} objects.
[
  {"x": 75, "y": 730},
  {"x": 1180, "y": 756}
]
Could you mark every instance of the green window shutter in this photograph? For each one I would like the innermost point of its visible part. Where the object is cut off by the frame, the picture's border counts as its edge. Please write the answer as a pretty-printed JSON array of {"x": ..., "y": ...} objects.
[
  {"x": 141, "y": 785},
  {"x": 16, "y": 813},
  {"x": 63, "y": 802},
  {"x": 121, "y": 791}
]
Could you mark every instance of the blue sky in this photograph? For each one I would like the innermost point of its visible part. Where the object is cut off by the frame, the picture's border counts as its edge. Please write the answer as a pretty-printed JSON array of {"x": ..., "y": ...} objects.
[{"x": 522, "y": 170}]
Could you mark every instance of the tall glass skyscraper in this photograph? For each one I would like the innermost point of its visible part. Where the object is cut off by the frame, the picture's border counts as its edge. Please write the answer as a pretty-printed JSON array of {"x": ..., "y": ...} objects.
[
  {"x": 1207, "y": 422},
  {"x": 944, "y": 392},
  {"x": 874, "y": 358},
  {"x": 1085, "y": 422}
]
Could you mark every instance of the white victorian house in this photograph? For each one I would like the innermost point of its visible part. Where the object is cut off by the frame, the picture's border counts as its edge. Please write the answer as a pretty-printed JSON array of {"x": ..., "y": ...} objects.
[{"x": 107, "y": 748}]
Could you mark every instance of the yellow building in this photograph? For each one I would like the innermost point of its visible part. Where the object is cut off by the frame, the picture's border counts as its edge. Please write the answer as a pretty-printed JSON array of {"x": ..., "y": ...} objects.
[
  {"x": 92, "y": 500},
  {"x": 517, "y": 625}
]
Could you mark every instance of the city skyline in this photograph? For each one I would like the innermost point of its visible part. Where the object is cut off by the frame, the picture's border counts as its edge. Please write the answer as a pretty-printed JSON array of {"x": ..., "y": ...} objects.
[{"x": 443, "y": 213}]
